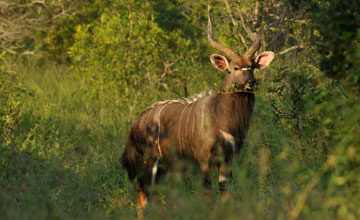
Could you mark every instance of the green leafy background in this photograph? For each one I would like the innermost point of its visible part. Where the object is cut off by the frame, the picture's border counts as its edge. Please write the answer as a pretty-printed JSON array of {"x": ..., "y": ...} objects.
[{"x": 96, "y": 65}]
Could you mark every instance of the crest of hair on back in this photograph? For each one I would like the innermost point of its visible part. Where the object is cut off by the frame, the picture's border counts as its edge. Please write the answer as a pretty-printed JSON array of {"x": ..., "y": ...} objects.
[{"x": 190, "y": 100}]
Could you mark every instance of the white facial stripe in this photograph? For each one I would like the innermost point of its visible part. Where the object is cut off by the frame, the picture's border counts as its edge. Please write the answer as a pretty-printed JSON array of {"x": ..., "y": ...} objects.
[{"x": 246, "y": 68}]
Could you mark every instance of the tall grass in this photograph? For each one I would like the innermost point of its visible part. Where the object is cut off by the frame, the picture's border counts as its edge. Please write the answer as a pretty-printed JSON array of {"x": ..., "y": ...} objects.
[{"x": 63, "y": 160}]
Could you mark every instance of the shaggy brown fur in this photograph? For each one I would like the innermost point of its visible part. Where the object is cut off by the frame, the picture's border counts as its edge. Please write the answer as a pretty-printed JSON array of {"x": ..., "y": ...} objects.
[{"x": 177, "y": 129}]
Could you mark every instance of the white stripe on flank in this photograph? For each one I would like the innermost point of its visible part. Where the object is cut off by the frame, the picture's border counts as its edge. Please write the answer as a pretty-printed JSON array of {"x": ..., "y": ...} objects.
[
  {"x": 202, "y": 116},
  {"x": 180, "y": 127},
  {"x": 194, "y": 121},
  {"x": 148, "y": 112},
  {"x": 203, "y": 113},
  {"x": 159, "y": 124},
  {"x": 187, "y": 119}
]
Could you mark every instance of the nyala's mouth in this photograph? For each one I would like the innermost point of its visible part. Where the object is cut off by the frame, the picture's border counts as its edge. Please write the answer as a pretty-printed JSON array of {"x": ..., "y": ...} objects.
[{"x": 245, "y": 87}]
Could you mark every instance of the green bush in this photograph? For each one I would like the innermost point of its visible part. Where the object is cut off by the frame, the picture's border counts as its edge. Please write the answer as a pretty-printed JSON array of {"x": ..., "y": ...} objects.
[{"x": 63, "y": 127}]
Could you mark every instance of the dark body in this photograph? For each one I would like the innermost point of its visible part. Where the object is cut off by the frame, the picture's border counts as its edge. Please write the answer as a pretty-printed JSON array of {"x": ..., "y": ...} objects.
[{"x": 208, "y": 130}]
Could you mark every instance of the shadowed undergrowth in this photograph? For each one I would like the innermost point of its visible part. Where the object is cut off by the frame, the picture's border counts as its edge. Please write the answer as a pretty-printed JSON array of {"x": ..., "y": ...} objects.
[{"x": 61, "y": 160}]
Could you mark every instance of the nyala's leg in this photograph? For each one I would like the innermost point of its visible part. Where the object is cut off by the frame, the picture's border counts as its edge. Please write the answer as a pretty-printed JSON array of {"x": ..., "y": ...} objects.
[
  {"x": 143, "y": 192},
  {"x": 141, "y": 202},
  {"x": 224, "y": 176},
  {"x": 141, "y": 197},
  {"x": 206, "y": 176},
  {"x": 145, "y": 182},
  {"x": 206, "y": 180}
]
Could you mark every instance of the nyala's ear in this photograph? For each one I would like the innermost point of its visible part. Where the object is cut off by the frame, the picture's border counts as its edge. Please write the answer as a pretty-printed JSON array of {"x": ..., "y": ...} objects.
[
  {"x": 264, "y": 59},
  {"x": 220, "y": 62}
]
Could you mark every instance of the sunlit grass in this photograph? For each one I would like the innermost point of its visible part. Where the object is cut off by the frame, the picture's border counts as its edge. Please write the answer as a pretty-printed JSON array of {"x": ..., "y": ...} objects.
[{"x": 64, "y": 161}]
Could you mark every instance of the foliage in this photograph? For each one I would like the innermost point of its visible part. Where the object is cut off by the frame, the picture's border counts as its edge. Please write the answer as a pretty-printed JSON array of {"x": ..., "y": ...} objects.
[
  {"x": 64, "y": 120},
  {"x": 10, "y": 106},
  {"x": 129, "y": 56},
  {"x": 335, "y": 27},
  {"x": 336, "y": 36}
]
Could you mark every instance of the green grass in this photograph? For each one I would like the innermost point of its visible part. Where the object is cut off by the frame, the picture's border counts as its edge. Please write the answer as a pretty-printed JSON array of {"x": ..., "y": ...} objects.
[{"x": 62, "y": 160}]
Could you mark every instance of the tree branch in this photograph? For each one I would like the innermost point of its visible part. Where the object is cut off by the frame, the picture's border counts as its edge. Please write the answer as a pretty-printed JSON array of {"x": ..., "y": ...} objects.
[
  {"x": 19, "y": 20},
  {"x": 300, "y": 47},
  {"x": 176, "y": 77}
]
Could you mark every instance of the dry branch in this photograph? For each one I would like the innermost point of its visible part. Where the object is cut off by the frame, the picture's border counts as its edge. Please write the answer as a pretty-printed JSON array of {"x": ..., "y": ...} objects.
[
  {"x": 290, "y": 49},
  {"x": 183, "y": 83},
  {"x": 19, "y": 21}
]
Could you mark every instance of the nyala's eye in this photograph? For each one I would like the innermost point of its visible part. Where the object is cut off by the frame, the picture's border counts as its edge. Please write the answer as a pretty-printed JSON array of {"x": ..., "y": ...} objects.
[{"x": 236, "y": 68}]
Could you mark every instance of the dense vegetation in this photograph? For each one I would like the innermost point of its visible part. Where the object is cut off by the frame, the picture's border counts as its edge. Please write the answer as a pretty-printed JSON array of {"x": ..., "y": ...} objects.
[{"x": 74, "y": 75}]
